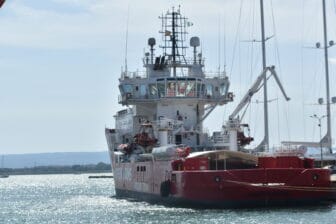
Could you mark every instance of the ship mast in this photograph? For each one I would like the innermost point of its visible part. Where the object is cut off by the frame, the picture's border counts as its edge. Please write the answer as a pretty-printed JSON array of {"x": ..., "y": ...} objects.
[
  {"x": 326, "y": 46},
  {"x": 173, "y": 35},
  {"x": 173, "y": 39},
  {"x": 265, "y": 142}
]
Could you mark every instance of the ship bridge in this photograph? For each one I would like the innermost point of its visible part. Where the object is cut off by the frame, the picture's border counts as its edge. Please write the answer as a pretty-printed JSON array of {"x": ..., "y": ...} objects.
[
  {"x": 141, "y": 89},
  {"x": 172, "y": 75}
]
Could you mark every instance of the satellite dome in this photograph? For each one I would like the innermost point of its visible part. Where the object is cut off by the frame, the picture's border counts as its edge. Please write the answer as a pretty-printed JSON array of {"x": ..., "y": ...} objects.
[
  {"x": 151, "y": 41},
  {"x": 194, "y": 42}
]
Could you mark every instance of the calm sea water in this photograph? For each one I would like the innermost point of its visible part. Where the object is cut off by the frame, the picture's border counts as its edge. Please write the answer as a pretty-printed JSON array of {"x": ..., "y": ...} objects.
[{"x": 77, "y": 199}]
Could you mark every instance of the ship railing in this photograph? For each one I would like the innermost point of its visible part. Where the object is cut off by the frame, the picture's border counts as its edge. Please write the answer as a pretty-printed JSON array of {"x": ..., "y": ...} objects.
[
  {"x": 144, "y": 74},
  {"x": 215, "y": 74},
  {"x": 208, "y": 75},
  {"x": 192, "y": 95},
  {"x": 187, "y": 61},
  {"x": 219, "y": 139},
  {"x": 184, "y": 62},
  {"x": 134, "y": 75}
]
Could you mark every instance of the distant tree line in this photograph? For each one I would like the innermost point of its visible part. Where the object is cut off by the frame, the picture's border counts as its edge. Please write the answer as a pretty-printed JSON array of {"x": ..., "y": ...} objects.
[{"x": 91, "y": 168}]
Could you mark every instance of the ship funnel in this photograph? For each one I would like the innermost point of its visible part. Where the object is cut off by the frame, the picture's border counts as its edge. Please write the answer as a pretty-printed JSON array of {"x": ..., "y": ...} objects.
[
  {"x": 151, "y": 43},
  {"x": 195, "y": 42}
]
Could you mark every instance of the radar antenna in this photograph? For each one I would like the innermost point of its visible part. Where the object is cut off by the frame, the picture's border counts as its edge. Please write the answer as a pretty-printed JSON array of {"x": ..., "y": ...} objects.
[{"x": 173, "y": 36}]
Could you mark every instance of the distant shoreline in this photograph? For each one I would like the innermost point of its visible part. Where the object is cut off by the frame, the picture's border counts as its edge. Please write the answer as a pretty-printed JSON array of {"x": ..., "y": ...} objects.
[{"x": 74, "y": 169}]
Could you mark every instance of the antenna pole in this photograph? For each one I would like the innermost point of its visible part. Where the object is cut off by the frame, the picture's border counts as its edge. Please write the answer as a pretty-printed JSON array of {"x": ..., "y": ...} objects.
[
  {"x": 266, "y": 137},
  {"x": 327, "y": 75},
  {"x": 126, "y": 43},
  {"x": 173, "y": 42}
]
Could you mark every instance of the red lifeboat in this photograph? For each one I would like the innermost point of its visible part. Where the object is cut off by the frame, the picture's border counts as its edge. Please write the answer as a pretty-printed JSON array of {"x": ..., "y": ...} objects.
[{"x": 145, "y": 137}]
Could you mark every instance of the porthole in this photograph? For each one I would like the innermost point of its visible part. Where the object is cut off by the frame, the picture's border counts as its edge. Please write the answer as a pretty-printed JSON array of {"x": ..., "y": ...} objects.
[{"x": 315, "y": 176}]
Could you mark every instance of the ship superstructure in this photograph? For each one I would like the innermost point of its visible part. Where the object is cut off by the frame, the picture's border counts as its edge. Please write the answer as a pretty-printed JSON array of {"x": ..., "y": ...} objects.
[{"x": 173, "y": 93}]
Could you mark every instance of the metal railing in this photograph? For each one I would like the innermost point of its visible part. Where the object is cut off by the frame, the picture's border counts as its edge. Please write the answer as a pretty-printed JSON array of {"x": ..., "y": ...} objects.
[
  {"x": 134, "y": 75},
  {"x": 131, "y": 97}
]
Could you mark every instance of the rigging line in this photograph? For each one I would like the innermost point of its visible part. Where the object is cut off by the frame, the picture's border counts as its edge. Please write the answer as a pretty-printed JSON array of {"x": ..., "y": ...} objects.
[
  {"x": 287, "y": 121},
  {"x": 224, "y": 42},
  {"x": 313, "y": 128},
  {"x": 277, "y": 54},
  {"x": 236, "y": 38},
  {"x": 248, "y": 54},
  {"x": 278, "y": 117},
  {"x": 224, "y": 55},
  {"x": 239, "y": 66},
  {"x": 315, "y": 62},
  {"x": 252, "y": 50},
  {"x": 241, "y": 56},
  {"x": 257, "y": 120},
  {"x": 302, "y": 79},
  {"x": 252, "y": 43},
  {"x": 219, "y": 43},
  {"x": 244, "y": 112}
]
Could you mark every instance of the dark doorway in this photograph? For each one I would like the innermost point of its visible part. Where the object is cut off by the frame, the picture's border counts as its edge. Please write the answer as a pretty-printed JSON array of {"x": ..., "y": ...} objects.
[{"x": 178, "y": 139}]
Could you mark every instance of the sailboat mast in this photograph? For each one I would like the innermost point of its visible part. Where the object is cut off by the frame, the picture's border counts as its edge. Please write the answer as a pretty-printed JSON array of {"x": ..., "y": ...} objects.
[
  {"x": 266, "y": 137},
  {"x": 328, "y": 135}
]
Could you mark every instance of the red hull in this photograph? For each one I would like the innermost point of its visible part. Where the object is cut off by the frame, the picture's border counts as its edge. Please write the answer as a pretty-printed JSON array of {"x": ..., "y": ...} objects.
[
  {"x": 260, "y": 186},
  {"x": 162, "y": 182}
]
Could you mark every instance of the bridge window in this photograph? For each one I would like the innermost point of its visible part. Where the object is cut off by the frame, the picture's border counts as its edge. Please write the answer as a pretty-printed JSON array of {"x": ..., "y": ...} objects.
[
  {"x": 190, "y": 89},
  {"x": 143, "y": 90},
  {"x": 153, "y": 89},
  {"x": 223, "y": 89},
  {"x": 200, "y": 89},
  {"x": 127, "y": 88},
  {"x": 161, "y": 89},
  {"x": 171, "y": 89},
  {"x": 181, "y": 88},
  {"x": 209, "y": 90}
]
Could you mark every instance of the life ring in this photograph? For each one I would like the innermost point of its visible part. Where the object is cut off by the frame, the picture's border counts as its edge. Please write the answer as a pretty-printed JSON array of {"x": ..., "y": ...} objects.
[{"x": 165, "y": 188}]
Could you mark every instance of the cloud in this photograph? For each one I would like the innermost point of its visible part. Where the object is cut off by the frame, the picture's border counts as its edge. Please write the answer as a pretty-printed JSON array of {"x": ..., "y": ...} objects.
[
  {"x": 332, "y": 60},
  {"x": 69, "y": 24},
  {"x": 88, "y": 26}
]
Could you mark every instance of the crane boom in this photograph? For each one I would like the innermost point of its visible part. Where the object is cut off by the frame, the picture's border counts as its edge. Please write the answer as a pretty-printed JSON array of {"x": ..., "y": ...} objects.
[{"x": 255, "y": 88}]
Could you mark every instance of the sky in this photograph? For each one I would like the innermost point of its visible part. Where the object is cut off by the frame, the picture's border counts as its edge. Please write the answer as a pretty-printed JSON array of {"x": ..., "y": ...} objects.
[{"x": 60, "y": 61}]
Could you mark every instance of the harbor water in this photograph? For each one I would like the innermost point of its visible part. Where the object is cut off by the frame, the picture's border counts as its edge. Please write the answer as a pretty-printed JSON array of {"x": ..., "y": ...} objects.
[{"x": 78, "y": 199}]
